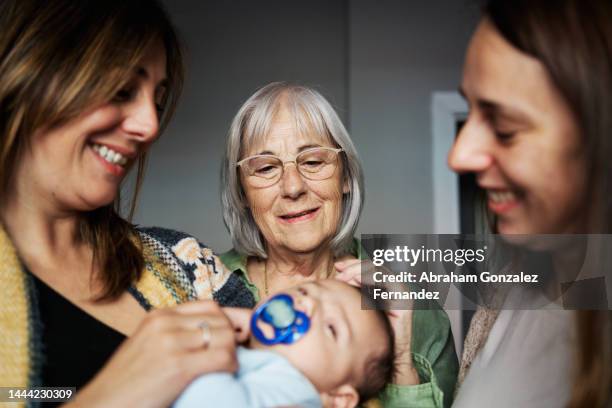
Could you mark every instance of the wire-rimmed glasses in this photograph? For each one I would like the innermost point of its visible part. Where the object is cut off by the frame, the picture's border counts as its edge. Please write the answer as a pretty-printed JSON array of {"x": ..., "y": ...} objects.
[{"x": 264, "y": 170}]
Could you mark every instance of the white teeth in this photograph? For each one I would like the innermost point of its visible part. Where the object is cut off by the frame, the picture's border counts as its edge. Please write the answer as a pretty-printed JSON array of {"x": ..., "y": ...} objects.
[
  {"x": 110, "y": 155},
  {"x": 501, "y": 196}
]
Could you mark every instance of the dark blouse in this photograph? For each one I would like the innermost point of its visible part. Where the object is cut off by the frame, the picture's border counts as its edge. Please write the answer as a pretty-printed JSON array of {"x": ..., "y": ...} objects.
[{"x": 75, "y": 345}]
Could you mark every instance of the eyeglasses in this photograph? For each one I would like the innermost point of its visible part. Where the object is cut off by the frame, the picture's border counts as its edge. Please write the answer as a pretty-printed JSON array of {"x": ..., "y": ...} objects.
[{"x": 264, "y": 170}]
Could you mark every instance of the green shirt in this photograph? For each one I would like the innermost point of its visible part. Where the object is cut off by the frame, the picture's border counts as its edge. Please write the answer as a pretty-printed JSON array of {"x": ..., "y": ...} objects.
[{"x": 433, "y": 349}]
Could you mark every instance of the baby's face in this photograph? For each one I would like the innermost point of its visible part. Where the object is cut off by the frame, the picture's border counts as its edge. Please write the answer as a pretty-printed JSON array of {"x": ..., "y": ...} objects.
[{"x": 341, "y": 336}]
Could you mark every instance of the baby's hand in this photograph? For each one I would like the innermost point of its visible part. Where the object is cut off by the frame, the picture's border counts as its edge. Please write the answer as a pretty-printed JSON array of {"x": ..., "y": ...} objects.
[{"x": 240, "y": 318}]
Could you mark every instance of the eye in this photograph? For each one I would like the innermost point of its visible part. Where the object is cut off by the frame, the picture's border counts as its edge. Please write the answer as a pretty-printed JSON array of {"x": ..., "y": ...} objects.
[
  {"x": 161, "y": 97},
  {"x": 265, "y": 169},
  {"x": 504, "y": 129},
  {"x": 312, "y": 163},
  {"x": 124, "y": 95},
  {"x": 301, "y": 290},
  {"x": 160, "y": 107},
  {"x": 504, "y": 137},
  {"x": 331, "y": 329},
  {"x": 160, "y": 110}
]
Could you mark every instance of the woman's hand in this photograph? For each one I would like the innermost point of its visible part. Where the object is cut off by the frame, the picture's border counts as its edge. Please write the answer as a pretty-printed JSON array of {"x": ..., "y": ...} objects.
[
  {"x": 162, "y": 357},
  {"x": 350, "y": 271}
]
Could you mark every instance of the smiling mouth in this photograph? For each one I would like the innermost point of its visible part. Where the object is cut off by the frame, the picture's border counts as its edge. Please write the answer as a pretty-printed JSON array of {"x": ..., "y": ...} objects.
[
  {"x": 109, "y": 155},
  {"x": 501, "y": 196},
  {"x": 501, "y": 201},
  {"x": 300, "y": 215}
]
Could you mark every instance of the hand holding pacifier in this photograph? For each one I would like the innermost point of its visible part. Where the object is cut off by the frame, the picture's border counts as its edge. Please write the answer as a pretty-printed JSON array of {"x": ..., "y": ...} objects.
[{"x": 289, "y": 325}]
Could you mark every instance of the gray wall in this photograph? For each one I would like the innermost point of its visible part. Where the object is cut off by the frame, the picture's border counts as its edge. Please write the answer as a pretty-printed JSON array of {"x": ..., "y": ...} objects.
[
  {"x": 377, "y": 62},
  {"x": 401, "y": 51}
]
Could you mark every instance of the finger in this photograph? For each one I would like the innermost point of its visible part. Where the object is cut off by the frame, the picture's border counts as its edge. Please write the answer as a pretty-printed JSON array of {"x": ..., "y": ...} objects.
[
  {"x": 369, "y": 268},
  {"x": 190, "y": 339},
  {"x": 197, "y": 306},
  {"x": 354, "y": 282},
  {"x": 208, "y": 361},
  {"x": 343, "y": 277},
  {"x": 391, "y": 314},
  {"x": 353, "y": 274},
  {"x": 237, "y": 315},
  {"x": 222, "y": 338},
  {"x": 204, "y": 337},
  {"x": 352, "y": 269},
  {"x": 175, "y": 322},
  {"x": 342, "y": 265}
]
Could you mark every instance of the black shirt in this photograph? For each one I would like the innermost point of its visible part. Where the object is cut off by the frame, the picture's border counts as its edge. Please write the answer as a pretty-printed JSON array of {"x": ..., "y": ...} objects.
[{"x": 75, "y": 344}]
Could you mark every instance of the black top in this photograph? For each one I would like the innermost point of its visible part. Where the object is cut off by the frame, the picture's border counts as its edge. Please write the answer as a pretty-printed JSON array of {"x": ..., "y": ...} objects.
[{"x": 75, "y": 345}]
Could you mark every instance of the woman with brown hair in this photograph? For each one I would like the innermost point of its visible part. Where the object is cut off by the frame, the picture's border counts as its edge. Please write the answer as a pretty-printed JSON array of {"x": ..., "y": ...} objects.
[
  {"x": 85, "y": 88},
  {"x": 538, "y": 80}
]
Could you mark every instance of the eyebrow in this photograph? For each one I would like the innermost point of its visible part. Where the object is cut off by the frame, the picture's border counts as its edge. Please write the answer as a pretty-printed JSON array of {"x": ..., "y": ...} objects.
[
  {"x": 345, "y": 321},
  {"x": 496, "y": 109},
  {"x": 141, "y": 72},
  {"x": 300, "y": 149}
]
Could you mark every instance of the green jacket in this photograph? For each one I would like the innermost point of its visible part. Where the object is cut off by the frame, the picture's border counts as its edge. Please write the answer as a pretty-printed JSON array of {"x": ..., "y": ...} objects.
[{"x": 433, "y": 349}]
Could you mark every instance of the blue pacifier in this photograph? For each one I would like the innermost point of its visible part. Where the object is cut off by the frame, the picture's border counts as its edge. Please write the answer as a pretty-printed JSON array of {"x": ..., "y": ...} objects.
[{"x": 278, "y": 312}]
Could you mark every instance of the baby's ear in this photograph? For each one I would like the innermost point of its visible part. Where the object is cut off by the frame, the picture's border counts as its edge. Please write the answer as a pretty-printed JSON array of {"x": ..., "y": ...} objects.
[
  {"x": 344, "y": 396},
  {"x": 240, "y": 319}
]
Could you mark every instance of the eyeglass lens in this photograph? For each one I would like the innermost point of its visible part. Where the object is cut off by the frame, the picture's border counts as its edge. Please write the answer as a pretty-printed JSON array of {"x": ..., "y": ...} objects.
[{"x": 314, "y": 164}]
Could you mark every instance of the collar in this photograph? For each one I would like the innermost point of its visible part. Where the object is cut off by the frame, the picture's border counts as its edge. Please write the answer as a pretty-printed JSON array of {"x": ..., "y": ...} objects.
[{"x": 237, "y": 263}]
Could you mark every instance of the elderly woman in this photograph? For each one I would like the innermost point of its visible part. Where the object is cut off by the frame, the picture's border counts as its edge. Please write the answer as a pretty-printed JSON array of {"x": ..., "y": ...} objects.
[{"x": 292, "y": 196}]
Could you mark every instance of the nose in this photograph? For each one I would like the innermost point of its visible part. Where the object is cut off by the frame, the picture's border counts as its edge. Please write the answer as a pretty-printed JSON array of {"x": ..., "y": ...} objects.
[
  {"x": 292, "y": 184},
  {"x": 141, "y": 121},
  {"x": 472, "y": 150}
]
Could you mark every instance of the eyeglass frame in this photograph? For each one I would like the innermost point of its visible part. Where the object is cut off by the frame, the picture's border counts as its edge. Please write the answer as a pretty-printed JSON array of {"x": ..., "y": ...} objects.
[{"x": 336, "y": 150}]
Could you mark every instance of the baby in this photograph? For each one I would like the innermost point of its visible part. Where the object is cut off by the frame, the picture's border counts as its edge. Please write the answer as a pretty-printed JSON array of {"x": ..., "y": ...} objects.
[{"x": 345, "y": 356}]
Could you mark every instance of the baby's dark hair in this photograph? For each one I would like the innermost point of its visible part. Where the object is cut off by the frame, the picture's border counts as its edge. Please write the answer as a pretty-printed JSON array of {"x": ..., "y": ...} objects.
[{"x": 379, "y": 368}]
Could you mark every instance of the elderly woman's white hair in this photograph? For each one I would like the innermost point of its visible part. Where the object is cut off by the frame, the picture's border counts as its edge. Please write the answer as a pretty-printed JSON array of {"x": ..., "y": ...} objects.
[{"x": 312, "y": 113}]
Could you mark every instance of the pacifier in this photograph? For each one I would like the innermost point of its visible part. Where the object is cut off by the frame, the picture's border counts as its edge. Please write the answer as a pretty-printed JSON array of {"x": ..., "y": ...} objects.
[{"x": 289, "y": 325}]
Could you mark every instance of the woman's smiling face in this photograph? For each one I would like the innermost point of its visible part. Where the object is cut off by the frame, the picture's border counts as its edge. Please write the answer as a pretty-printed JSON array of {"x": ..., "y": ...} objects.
[
  {"x": 295, "y": 214},
  {"x": 80, "y": 164},
  {"x": 521, "y": 140}
]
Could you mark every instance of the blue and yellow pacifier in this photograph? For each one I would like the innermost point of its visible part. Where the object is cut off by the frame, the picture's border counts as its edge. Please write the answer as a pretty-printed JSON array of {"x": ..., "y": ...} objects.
[{"x": 278, "y": 312}]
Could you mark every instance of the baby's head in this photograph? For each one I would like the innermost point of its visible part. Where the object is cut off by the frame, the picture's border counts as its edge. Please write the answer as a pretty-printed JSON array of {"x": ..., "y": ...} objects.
[{"x": 348, "y": 352}]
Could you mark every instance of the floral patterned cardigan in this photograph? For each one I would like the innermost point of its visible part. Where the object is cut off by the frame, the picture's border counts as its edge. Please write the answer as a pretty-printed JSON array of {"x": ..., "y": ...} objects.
[{"x": 177, "y": 269}]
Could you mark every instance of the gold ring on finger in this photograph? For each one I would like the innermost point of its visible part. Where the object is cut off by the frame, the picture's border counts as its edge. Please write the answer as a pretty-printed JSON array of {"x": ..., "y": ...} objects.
[{"x": 206, "y": 334}]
